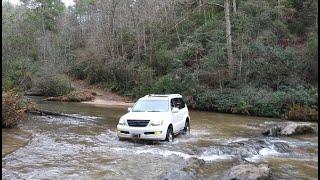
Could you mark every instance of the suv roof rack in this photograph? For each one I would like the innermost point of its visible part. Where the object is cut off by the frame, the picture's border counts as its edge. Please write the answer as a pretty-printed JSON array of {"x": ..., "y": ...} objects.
[
  {"x": 161, "y": 95},
  {"x": 158, "y": 95}
]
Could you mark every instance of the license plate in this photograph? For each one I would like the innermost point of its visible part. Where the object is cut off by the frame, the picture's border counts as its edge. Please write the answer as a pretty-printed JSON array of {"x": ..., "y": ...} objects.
[{"x": 136, "y": 136}]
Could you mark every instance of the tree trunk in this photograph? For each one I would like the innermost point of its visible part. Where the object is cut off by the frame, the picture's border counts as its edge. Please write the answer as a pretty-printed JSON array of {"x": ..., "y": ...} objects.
[
  {"x": 240, "y": 64},
  {"x": 241, "y": 58},
  {"x": 144, "y": 40},
  {"x": 111, "y": 21},
  {"x": 178, "y": 35},
  {"x": 234, "y": 6},
  {"x": 45, "y": 40},
  {"x": 220, "y": 83},
  {"x": 229, "y": 37}
]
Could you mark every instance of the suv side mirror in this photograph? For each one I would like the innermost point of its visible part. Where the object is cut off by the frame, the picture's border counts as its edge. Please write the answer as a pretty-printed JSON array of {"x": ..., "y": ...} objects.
[
  {"x": 129, "y": 109},
  {"x": 175, "y": 110}
]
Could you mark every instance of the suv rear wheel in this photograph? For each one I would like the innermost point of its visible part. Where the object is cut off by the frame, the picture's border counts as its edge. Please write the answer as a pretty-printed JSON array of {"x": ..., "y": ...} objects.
[{"x": 186, "y": 129}]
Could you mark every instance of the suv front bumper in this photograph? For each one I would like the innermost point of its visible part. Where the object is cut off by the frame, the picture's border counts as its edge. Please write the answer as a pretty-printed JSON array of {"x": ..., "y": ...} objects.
[{"x": 149, "y": 132}]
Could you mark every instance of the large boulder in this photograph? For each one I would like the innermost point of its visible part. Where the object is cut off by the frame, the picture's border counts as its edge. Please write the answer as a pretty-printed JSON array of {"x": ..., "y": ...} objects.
[
  {"x": 291, "y": 128},
  {"x": 247, "y": 172},
  {"x": 296, "y": 129}
]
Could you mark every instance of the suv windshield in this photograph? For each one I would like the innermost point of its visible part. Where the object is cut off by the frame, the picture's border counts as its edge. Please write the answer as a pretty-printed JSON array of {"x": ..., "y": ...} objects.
[{"x": 151, "y": 106}]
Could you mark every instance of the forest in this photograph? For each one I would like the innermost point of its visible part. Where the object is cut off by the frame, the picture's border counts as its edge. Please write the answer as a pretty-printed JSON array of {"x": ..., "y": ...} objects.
[{"x": 234, "y": 56}]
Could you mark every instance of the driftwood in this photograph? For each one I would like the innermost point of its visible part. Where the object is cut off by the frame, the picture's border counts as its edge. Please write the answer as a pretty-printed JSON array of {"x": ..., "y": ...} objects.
[
  {"x": 40, "y": 112},
  {"x": 33, "y": 93}
]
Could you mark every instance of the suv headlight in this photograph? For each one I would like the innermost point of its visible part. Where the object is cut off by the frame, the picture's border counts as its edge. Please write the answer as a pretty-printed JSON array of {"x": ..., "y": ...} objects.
[
  {"x": 156, "y": 122},
  {"x": 122, "y": 122}
]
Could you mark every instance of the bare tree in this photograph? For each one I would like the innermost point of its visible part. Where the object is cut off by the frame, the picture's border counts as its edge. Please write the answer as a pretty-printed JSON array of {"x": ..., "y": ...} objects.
[
  {"x": 229, "y": 37},
  {"x": 234, "y": 5}
]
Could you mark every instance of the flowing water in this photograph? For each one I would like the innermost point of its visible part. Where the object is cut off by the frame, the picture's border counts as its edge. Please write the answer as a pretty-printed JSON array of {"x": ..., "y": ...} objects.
[{"x": 86, "y": 147}]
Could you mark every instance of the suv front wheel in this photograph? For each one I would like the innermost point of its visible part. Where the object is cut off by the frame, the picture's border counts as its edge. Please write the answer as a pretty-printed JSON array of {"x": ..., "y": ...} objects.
[{"x": 169, "y": 136}]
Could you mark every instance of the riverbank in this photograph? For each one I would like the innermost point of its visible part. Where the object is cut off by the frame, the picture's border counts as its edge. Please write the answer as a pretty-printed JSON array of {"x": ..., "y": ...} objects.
[
  {"x": 102, "y": 98},
  {"x": 13, "y": 139},
  {"x": 227, "y": 102}
]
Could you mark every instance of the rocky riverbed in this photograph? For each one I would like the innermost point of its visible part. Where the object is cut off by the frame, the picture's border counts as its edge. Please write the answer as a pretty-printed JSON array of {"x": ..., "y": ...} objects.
[{"x": 84, "y": 144}]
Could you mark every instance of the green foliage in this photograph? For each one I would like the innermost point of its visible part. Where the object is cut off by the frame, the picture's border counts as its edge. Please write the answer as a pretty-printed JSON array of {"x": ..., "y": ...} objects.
[
  {"x": 306, "y": 13},
  {"x": 302, "y": 113},
  {"x": 79, "y": 70},
  {"x": 49, "y": 12},
  {"x": 121, "y": 76},
  {"x": 13, "y": 109},
  {"x": 253, "y": 101},
  {"x": 95, "y": 73},
  {"x": 143, "y": 78},
  {"x": 275, "y": 50},
  {"x": 18, "y": 74},
  {"x": 162, "y": 57},
  {"x": 56, "y": 85},
  {"x": 165, "y": 85}
]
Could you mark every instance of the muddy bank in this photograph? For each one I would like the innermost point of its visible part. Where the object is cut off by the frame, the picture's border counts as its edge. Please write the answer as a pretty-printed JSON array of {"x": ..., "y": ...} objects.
[
  {"x": 102, "y": 98},
  {"x": 90, "y": 94},
  {"x": 13, "y": 139},
  {"x": 74, "y": 96},
  {"x": 103, "y": 102}
]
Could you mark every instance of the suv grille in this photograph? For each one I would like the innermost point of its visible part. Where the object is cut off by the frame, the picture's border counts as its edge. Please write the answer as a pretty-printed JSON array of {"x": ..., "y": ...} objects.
[{"x": 138, "y": 123}]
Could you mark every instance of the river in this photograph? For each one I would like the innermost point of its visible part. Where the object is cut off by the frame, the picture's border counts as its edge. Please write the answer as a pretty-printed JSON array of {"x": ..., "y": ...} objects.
[{"x": 87, "y": 148}]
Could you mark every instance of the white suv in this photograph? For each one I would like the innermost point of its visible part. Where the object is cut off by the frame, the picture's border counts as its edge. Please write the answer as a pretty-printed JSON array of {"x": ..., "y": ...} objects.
[{"x": 155, "y": 117}]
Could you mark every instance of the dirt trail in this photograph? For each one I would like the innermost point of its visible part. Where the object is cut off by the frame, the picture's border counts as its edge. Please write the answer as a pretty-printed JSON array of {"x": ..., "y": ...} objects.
[{"x": 103, "y": 98}]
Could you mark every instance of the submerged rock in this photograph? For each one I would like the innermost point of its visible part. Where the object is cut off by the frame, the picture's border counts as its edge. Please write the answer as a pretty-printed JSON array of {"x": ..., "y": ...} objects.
[
  {"x": 183, "y": 174},
  {"x": 289, "y": 129},
  {"x": 247, "y": 171},
  {"x": 186, "y": 172}
]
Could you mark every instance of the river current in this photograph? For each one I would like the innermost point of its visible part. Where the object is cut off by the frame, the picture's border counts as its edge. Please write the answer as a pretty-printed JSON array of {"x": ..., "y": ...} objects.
[{"x": 85, "y": 146}]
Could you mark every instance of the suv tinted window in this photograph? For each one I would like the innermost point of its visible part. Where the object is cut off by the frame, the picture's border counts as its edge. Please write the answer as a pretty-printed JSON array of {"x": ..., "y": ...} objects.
[
  {"x": 180, "y": 103},
  {"x": 177, "y": 102},
  {"x": 173, "y": 103}
]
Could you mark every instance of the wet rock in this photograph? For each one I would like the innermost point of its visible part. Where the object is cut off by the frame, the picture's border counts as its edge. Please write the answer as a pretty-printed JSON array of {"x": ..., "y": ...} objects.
[
  {"x": 250, "y": 147},
  {"x": 296, "y": 129},
  {"x": 273, "y": 131},
  {"x": 247, "y": 171},
  {"x": 289, "y": 129},
  {"x": 282, "y": 147},
  {"x": 195, "y": 162}
]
